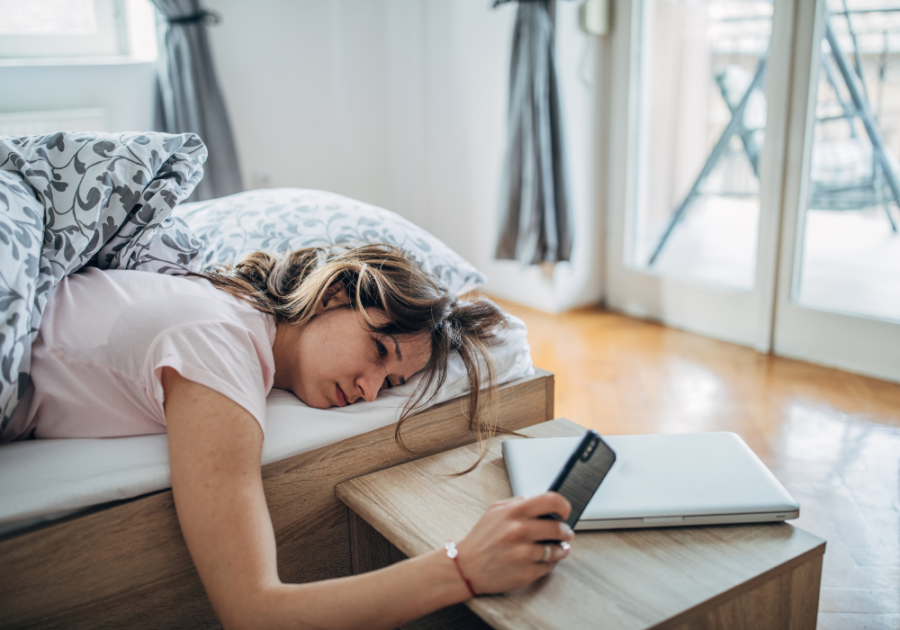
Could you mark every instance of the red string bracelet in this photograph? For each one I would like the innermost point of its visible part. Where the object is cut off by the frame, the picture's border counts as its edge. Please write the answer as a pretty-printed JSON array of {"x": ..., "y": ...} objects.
[{"x": 452, "y": 553}]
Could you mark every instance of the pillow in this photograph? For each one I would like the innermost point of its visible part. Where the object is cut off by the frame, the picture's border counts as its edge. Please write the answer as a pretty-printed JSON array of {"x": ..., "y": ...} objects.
[{"x": 285, "y": 219}]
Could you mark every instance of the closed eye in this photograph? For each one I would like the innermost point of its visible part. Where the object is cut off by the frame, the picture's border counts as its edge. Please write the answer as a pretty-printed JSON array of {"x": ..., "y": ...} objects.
[{"x": 382, "y": 353}]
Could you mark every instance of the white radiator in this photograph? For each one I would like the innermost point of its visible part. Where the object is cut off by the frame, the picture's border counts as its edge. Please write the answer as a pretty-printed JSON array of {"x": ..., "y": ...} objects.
[{"x": 42, "y": 122}]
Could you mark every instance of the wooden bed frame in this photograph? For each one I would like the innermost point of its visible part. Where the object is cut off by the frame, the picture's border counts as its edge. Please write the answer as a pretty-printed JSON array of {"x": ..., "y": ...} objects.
[{"x": 126, "y": 566}]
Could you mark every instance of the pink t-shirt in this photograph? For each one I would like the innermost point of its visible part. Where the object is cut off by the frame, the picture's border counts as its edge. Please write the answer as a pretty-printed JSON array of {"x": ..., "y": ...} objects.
[{"x": 106, "y": 336}]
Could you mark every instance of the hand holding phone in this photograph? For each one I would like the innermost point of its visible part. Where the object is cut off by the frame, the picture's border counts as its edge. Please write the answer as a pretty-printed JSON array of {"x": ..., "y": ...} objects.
[{"x": 583, "y": 473}]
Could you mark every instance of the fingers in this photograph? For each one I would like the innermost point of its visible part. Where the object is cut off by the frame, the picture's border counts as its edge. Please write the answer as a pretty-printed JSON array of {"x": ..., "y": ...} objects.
[
  {"x": 510, "y": 501},
  {"x": 550, "y": 553},
  {"x": 536, "y": 530},
  {"x": 547, "y": 503},
  {"x": 507, "y": 548}
]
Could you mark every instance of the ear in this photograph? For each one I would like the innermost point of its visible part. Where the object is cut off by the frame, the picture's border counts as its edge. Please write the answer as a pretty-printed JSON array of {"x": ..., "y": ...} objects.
[{"x": 335, "y": 296}]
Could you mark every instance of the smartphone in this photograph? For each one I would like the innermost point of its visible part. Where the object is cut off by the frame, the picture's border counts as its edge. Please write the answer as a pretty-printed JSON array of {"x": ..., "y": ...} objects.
[{"x": 582, "y": 475}]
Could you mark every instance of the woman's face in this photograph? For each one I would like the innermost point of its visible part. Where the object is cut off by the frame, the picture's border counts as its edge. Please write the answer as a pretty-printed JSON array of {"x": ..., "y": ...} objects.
[{"x": 335, "y": 360}]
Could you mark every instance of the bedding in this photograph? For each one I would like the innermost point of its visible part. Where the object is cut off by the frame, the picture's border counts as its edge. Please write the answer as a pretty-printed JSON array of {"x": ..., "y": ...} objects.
[
  {"x": 74, "y": 199},
  {"x": 70, "y": 200},
  {"x": 285, "y": 219}
]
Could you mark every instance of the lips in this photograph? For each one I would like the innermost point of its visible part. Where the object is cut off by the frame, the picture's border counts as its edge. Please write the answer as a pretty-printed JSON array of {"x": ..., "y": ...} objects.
[{"x": 339, "y": 394}]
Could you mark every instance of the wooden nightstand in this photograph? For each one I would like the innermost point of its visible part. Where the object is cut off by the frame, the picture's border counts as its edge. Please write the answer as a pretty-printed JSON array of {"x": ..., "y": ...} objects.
[{"x": 737, "y": 576}]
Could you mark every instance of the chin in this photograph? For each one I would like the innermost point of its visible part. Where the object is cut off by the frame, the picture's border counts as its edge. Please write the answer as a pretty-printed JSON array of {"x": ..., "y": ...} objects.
[
  {"x": 319, "y": 405},
  {"x": 316, "y": 405},
  {"x": 313, "y": 404}
]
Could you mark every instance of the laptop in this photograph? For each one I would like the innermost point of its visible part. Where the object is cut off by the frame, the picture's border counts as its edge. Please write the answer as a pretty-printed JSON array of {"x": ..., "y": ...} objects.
[{"x": 661, "y": 480}]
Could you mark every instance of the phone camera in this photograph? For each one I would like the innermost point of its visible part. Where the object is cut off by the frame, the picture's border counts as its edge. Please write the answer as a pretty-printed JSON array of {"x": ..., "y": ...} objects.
[{"x": 588, "y": 452}]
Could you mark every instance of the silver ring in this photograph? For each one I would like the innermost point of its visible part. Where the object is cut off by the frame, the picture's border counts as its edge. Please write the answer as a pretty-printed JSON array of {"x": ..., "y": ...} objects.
[{"x": 547, "y": 553}]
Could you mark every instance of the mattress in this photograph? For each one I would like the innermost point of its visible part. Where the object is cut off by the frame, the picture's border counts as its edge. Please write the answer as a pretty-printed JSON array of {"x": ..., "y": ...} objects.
[{"x": 48, "y": 479}]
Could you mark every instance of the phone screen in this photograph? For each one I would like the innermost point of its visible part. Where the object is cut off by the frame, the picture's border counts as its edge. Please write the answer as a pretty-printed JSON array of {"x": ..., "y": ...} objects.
[{"x": 583, "y": 473}]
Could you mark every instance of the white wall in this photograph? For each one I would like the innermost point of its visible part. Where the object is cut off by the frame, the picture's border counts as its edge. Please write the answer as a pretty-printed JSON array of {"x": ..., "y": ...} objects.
[
  {"x": 402, "y": 103},
  {"x": 306, "y": 86}
]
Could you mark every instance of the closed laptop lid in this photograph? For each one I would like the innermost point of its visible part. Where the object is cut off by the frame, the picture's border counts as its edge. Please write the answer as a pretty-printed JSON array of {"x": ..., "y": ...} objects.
[{"x": 689, "y": 474}]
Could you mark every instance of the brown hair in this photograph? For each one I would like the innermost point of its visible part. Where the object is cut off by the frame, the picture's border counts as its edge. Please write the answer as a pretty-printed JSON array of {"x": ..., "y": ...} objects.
[{"x": 289, "y": 286}]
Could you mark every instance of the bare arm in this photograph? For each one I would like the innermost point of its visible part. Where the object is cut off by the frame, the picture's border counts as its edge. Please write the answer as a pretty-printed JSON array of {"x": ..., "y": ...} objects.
[{"x": 214, "y": 449}]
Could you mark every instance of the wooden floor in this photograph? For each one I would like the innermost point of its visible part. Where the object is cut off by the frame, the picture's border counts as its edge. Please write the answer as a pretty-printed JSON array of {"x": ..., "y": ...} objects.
[{"x": 831, "y": 437}]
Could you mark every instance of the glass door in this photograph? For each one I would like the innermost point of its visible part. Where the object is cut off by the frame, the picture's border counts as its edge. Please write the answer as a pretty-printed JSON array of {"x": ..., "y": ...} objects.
[
  {"x": 700, "y": 93},
  {"x": 839, "y": 287}
]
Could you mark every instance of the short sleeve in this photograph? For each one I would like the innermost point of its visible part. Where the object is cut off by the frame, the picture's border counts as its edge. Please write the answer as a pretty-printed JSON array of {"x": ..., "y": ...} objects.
[{"x": 223, "y": 356}]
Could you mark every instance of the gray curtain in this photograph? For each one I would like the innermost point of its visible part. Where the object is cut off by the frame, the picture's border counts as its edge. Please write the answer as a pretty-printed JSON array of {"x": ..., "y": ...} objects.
[
  {"x": 537, "y": 223},
  {"x": 189, "y": 95}
]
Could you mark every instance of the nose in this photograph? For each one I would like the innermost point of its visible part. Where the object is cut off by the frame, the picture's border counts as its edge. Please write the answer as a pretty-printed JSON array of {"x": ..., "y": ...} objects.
[{"x": 369, "y": 384}]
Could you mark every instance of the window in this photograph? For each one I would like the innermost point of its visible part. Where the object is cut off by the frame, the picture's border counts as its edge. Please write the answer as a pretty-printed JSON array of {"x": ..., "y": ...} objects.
[
  {"x": 789, "y": 243},
  {"x": 77, "y": 28}
]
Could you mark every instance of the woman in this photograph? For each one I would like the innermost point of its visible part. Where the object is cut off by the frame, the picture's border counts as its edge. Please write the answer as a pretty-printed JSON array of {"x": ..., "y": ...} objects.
[{"x": 128, "y": 352}]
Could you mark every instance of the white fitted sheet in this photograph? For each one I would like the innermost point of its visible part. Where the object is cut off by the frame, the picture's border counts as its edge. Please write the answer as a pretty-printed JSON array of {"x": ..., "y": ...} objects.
[{"x": 48, "y": 479}]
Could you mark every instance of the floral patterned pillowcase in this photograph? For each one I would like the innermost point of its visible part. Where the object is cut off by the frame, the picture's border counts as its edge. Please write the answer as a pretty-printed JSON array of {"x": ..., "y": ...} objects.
[{"x": 284, "y": 219}]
